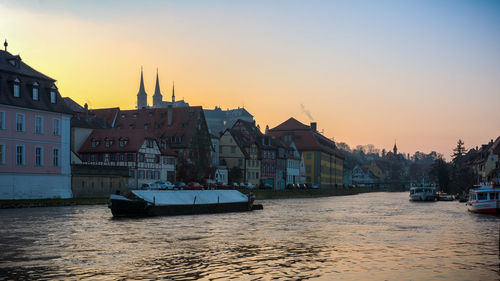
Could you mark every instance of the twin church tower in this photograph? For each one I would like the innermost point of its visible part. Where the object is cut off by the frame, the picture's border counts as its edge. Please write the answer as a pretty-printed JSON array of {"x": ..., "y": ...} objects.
[{"x": 142, "y": 97}]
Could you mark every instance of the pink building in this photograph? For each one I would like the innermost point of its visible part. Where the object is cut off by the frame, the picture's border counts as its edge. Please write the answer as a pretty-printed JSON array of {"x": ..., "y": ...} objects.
[{"x": 34, "y": 134}]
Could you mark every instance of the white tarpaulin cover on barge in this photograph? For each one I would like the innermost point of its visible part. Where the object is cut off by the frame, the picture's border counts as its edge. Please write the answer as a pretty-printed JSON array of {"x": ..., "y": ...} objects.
[{"x": 187, "y": 197}]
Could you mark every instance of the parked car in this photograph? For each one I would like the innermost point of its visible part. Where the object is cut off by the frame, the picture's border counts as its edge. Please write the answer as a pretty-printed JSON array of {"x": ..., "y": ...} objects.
[
  {"x": 194, "y": 186},
  {"x": 165, "y": 184},
  {"x": 235, "y": 185},
  {"x": 248, "y": 185},
  {"x": 266, "y": 186},
  {"x": 209, "y": 184},
  {"x": 315, "y": 186},
  {"x": 302, "y": 186},
  {"x": 222, "y": 186},
  {"x": 150, "y": 185},
  {"x": 180, "y": 185}
]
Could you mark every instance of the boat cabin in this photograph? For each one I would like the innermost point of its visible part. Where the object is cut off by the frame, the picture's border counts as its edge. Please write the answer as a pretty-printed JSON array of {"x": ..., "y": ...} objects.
[{"x": 484, "y": 195}]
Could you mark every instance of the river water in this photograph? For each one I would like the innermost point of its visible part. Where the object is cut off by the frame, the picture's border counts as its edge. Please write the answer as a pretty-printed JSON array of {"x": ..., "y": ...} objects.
[{"x": 372, "y": 236}]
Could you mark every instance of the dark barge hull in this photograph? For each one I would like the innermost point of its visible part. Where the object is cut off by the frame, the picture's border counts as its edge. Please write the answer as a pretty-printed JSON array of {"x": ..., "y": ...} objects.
[{"x": 134, "y": 208}]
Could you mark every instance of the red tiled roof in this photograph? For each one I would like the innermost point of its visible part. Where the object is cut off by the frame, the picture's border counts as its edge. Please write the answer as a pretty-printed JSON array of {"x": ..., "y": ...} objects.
[
  {"x": 155, "y": 121},
  {"x": 135, "y": 139},
  {"x": 108, "y": 115},
  {"x": 304, "y": 137},
  {"x": 290, "y": 124}
]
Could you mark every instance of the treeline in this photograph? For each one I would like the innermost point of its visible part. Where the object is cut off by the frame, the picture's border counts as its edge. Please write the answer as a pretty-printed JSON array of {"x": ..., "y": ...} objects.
[{"x": 403, "y": 169}]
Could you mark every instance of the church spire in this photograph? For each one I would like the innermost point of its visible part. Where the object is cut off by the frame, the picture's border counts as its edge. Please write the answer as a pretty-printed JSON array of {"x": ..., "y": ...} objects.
[
  {"x": 157, "y": 97},
  {"x": 173, "y": 93},
  {"x": 395, "y": 148},
  {"x": 142, "y": 96}
]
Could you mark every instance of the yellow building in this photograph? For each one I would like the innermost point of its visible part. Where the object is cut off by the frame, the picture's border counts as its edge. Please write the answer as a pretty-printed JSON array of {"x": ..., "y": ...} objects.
[{"x": 323, "y": 164}]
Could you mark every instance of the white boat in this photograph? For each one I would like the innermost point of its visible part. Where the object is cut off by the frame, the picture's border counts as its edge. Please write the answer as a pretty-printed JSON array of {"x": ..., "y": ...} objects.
[
  {"x": 485, "y": 199},
  {"x": 423, "y": 193},
  {"x": 179, "y": 202}
]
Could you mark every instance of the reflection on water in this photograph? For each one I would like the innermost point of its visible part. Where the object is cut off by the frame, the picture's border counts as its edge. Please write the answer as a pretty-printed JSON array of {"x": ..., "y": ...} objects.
[{"x": 367, "y": 236}]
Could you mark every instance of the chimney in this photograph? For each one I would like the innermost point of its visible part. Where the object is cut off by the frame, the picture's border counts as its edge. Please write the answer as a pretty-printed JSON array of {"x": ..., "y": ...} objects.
[
  {"x": 313, "y": 126},
  {"x": 169, "y": 115},
  {"x": 86, "y": 107}
]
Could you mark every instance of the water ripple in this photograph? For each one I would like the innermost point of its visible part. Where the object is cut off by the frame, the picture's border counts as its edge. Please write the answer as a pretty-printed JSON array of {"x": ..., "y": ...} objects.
[{"x": 377, "y": 236}]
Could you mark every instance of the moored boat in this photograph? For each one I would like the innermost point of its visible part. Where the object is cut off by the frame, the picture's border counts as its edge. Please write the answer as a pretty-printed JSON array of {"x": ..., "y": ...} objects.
[
  {"x": 485, "y": 199},
  {"x": 423, "y": 193},
  {"x": 441, "y": 196},
  {"x": 179, "y": 202}
]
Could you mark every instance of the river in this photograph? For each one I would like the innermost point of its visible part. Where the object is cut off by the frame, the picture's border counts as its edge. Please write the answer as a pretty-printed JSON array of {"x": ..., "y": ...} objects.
[{"x": 371, "y": 236}]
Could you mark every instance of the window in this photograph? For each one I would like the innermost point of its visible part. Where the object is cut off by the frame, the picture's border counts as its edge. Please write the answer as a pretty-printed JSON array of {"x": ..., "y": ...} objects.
[
  {"x": 123, "y": 142},
  {"x": 482, "y": 196},
  {"x": 55, "y": 157},
  {"x": 308, "y": 169},
  {"x": 38, "y": 156},
  {"x": 52, "y": 96},
  {"x": 20, "y": 122},
  {"x": 16, "y": 89},
  {"x": 35, "y": 92},
  {"x": 122, "y": 157},
  {"x": 2, "y": 153},
  {"x": 20, "y": 155},
  {"x": 233, "y": 149},
  {"x": 56, "y": 127},
  {"x": 2, "y": 120},
  {"x": 308, "y": 156},
  {"x": 108, "y": 142},
  {"x": 240, "y": 163},
  {"x": 38, "y": 125},
  {"x": 149, "y": 144},
  {"x": 130, "y": 157},
  {"x": 94, "y": 143}
]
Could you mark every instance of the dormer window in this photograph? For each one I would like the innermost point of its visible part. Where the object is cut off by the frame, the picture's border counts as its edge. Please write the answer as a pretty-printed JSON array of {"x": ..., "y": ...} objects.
[
  {"x": 108, "y": 142},
  {"x": 123, "y": 142},
  {"x": 135, "y": 115},
  {"x": 52, "y": 96},
  {"x": 123, "y": 115},
  {"x": 16, "y": 88},
  {"x": 94, "y": 143},
  {"x": 35, "y": 91}
]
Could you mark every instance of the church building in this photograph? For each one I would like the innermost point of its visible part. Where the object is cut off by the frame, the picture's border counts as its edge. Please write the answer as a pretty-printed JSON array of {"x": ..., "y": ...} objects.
[{"x": 142, "y": 97}]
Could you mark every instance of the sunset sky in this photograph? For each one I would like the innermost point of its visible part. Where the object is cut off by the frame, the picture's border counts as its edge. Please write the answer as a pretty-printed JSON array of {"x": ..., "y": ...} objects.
[{"x": 424, "y": 73}]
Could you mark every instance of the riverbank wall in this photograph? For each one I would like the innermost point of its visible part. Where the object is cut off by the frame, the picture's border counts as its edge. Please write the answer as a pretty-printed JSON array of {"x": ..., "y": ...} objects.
[{"x": 259, "y": 195}]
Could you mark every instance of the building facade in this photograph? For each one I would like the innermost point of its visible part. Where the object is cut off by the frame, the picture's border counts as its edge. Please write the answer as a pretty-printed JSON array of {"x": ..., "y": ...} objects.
[
  {"x": 34, "y": 134},
  {"x": 323, "y": 163},
  {"x": 180, "y": 131},
  {"x": 135, "y": 149}
]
